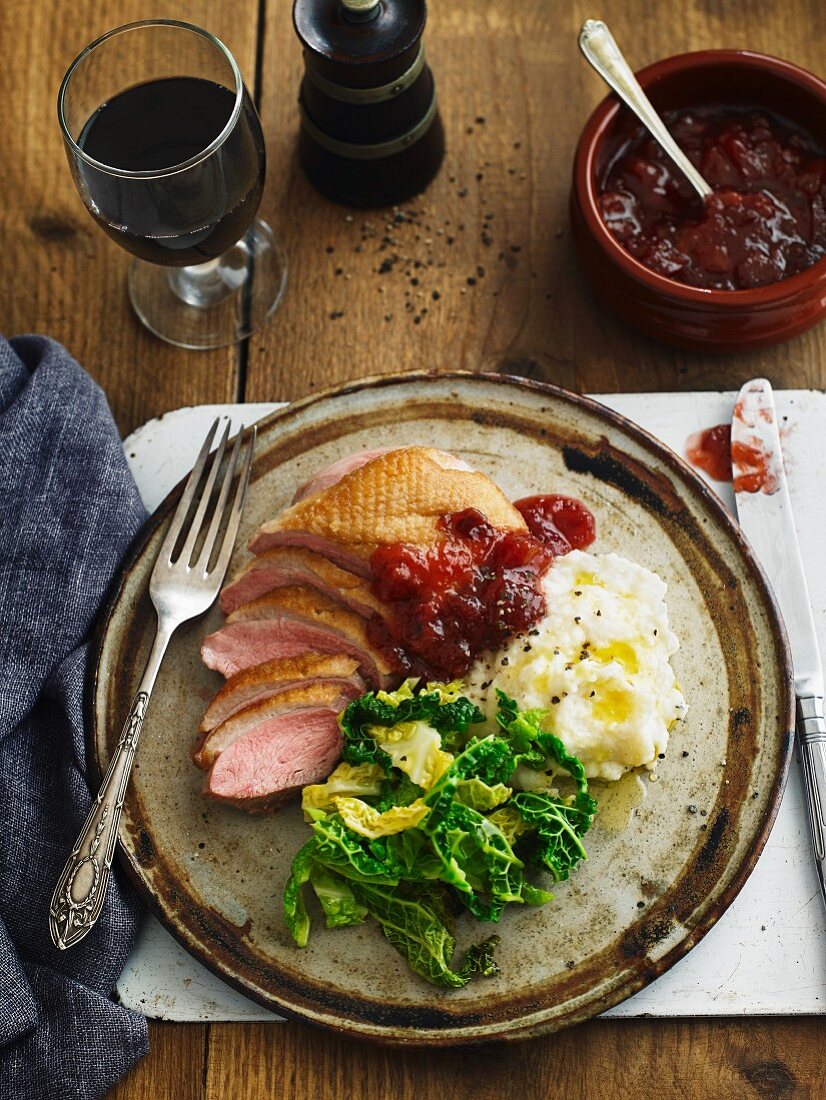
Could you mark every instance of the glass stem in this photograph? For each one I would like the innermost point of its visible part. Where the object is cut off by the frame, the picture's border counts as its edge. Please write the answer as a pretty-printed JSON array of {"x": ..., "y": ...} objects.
[{"x": 205, "y": 285}]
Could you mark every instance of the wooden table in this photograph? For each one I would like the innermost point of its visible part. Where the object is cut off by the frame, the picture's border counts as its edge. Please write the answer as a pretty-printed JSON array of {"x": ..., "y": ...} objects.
[{"x": 501, "y": 292}]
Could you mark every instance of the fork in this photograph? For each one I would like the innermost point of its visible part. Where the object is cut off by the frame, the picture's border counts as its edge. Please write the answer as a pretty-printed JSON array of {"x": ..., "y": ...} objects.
[{"x": 180, "y": 589}]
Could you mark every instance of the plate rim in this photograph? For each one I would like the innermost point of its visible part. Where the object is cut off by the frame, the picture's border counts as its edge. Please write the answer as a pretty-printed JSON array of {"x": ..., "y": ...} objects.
[{"x": 656, "y": 967}]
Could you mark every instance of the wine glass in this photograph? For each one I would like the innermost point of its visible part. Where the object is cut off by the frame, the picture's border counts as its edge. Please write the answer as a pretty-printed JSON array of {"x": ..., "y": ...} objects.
[{"x": 167, "y": 153}]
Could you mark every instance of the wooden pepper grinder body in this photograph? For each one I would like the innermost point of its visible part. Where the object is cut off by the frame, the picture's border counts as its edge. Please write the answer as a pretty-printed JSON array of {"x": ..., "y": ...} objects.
[{"x": 371, "y": 134}]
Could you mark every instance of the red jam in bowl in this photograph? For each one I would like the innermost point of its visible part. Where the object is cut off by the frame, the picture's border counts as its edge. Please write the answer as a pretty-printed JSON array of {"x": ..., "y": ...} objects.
[
  {"x": 474, "y": 589},
  {"x": 765, "y": 222}
]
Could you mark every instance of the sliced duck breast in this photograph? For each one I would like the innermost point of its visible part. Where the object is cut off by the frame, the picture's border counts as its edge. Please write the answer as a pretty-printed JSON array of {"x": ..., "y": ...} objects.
[
  {"x": 270, "y": 535},
  {"x": 396, "y": 497},
  {"x": 335, "y": 472},
  {"x": 293, "y": 622},
  {"x": 239, "y": 646},
  {"x": 294, "y": 565},
  {"x": 308, "y": 606},
  {"x": 266, "y": 711},
  {"x": 274, "y": 677},
  {"x": 277, "y": 758}
]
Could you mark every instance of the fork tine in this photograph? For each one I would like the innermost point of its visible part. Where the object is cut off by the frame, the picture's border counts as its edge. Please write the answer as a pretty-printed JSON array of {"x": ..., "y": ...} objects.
[
  {"x": 220, "y": 507},
  {"x": 235, "y": 515},
  {"x": 206, "y": 493},
  {"x": 168, "y": 545}
]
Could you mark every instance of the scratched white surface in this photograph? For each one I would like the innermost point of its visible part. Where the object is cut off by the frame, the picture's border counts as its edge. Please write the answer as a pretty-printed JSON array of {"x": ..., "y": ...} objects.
[{"x": 767, "y": 954}]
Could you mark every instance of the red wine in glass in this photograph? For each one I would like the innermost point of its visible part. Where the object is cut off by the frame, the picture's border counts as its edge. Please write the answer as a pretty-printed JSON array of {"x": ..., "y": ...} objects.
[
  {"x": 178, "y": 219},
  {"x": 167, "y": 153}
]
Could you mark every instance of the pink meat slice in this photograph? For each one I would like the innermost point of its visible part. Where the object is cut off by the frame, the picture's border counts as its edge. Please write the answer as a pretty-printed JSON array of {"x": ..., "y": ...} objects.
[
  {"x": 270, "y": 535},
  {"x": 238, "y": 646},
  {"x": 300, "y": 618},
  {"x": 285, "y": 566},
  {"x": 277, "y": 758},
  {"x": 246, "y": 721},
  {"x": 260, "y": 682}
]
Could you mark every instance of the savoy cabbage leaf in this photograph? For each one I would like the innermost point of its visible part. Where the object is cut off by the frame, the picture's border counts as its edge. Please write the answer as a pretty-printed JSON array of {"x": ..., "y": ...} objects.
[
  {"x": 558, "y": 828},
  {"x": 336, "y": 898},
  {"x": 350, "y": 854},
  {"x": 295, "y": 911},
  {"x": 414, "y": 924},
  {"x": 440, "y": 707}
]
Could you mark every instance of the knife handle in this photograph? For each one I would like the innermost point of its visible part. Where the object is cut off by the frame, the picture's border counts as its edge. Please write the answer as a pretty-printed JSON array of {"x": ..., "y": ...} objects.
[{"x": 811, "y": 733}]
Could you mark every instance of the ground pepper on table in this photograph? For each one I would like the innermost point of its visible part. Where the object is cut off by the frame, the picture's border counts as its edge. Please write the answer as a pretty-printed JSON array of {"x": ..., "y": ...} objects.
[{"x": 408, "y": 246}]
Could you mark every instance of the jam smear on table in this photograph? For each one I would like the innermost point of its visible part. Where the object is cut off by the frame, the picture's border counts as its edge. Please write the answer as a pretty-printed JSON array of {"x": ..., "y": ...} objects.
[
  {"x": 710, "y": 451},
  {"x": 474, "y": 589},
  {"x": 765, "y": 221}
]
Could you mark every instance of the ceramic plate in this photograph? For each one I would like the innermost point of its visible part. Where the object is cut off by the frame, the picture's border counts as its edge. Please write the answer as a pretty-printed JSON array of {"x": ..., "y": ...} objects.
[{"x": 648, "y": 892}]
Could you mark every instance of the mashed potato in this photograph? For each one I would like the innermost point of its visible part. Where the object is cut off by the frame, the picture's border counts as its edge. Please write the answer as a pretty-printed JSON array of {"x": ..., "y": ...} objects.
[{"x": 598, "y": 662}]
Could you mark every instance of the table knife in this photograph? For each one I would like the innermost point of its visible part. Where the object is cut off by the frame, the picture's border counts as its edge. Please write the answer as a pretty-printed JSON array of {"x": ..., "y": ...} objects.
[{"x": 765, "y": 513}]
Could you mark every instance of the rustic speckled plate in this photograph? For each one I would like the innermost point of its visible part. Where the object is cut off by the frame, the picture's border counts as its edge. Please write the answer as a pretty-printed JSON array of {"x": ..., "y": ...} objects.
[{"x": 647, "y": 894}]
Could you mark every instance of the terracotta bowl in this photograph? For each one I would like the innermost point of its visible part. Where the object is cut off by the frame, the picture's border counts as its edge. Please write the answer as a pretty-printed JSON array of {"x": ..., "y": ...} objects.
[{"x": 712, "y": 320}]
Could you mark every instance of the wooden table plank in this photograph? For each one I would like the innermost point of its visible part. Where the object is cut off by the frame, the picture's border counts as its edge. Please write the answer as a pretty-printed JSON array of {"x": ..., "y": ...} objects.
[
  {"x": 516, "y": 66},
  {"x": 692, "y": 1060},
  {"x": 60, "y": 274},
  {"x": 173, "y": 1069}
]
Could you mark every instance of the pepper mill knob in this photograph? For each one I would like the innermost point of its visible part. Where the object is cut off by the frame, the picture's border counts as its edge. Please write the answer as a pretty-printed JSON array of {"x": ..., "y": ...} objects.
[
  {"x": 371, "y": 134},
  {"x": 360, "y": 11}
]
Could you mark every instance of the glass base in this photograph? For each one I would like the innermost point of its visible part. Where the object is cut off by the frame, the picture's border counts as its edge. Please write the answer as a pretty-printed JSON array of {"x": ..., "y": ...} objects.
[{"x": 215, "y": 304}]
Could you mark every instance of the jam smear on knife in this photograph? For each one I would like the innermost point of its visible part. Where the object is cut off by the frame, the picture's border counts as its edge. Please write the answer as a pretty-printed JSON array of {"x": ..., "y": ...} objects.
[{"x": 713, "y": 451}]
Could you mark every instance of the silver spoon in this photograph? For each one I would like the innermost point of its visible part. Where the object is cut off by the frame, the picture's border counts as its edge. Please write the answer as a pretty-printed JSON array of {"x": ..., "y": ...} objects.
[{"x": 603, "y": 54}]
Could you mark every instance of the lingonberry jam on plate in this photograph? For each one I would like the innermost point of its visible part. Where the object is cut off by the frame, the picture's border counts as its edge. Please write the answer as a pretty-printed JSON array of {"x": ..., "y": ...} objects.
[
  {"x": 563, "y": 523},
  {"x": 765, "y": 221},
  {"x": 472, "y": 590}
]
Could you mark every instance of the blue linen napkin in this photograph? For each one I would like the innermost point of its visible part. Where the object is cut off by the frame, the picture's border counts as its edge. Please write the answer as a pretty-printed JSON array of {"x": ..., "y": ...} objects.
[{"x": 69, "y": 510}]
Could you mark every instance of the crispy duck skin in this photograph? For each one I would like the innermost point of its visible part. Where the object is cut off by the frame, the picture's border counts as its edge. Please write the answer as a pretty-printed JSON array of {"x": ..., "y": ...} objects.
[
  {"x": 284, "y": 566},
  {"x": 396, "y": 497},
  {"x": 335, "y": 472},
  {"x": 257, "y": 715},
  {"x": 273, "y": 677},
  {"x": 295, "y": 599}
]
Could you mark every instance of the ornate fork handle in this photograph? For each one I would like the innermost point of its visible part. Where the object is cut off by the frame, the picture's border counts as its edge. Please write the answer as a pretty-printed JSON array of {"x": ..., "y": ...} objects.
[
  {"x": 183, "y": 584},
  {"x": 81, "y": 889}
]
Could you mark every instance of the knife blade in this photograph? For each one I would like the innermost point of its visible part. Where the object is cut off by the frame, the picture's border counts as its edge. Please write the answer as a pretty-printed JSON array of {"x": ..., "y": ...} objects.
[{"x": 764, "y": 509}]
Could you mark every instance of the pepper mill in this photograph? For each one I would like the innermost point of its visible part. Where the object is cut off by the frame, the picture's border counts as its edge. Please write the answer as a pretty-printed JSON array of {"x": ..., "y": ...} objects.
[{"x": 371, "y": 134}]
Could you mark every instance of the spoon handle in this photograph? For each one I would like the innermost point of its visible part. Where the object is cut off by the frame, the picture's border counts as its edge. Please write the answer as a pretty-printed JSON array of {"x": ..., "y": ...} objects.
[{"x": 601, "y": 51}]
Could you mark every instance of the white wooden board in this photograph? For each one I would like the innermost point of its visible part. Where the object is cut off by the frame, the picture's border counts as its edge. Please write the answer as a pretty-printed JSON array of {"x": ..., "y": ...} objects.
[{"x": 767, "y": 954}]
